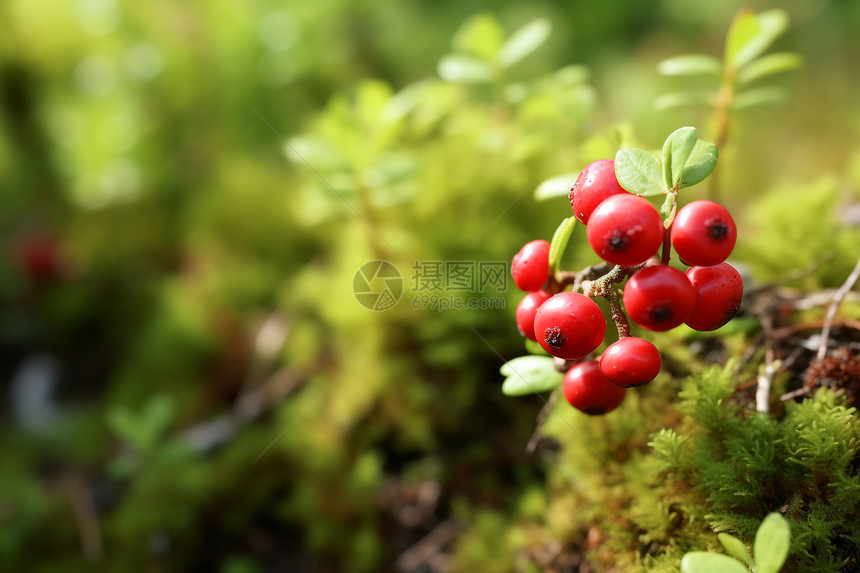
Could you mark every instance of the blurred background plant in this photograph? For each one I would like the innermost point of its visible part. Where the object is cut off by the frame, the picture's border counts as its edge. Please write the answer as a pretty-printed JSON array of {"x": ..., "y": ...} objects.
[{"x": 188, "y": 189}]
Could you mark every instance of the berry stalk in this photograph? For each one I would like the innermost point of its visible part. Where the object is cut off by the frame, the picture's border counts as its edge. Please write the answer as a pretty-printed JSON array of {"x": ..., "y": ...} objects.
[{"x": 671, "y": 204}]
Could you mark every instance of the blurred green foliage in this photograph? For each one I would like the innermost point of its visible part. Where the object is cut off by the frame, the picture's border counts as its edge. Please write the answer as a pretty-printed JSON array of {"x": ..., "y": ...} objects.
[{"x": 187, "y": 191}]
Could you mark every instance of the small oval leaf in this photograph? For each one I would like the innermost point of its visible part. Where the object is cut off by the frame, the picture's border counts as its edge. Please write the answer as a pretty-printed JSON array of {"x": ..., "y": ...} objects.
[
  {"x": 700, "y": 164},
  {"x": 674, "y": 100},
  {"x": 555, "y": 186},
  {"x": 735, "y": 547},
  {"x": 771, "y": 544},
  {"x": 524, "y": 41},
  {"x": 690, "y": 65},
  {"x": 769, "y": 65},
  {"x": 704, "y": 562},
  {"x": 750, "y": 35},
  {"x": 676, "y": 151},
  {"x": 759, "y": 97},
  {"x": 534, "y": 347},
  {"x": 639, "y": 172},
  {"x": 464, "y": 69},
  {"x": 529, "y": 375},
  {"x": 559, "y": 243},
  {"x": 480, "y": 35}
]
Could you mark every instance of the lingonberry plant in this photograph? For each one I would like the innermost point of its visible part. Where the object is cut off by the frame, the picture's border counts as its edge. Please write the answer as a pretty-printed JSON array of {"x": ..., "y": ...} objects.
[{"x": 627, "y": 232}]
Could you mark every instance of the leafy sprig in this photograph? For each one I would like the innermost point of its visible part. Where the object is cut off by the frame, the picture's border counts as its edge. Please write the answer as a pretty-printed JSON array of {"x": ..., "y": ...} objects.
[
  {"x": 749, "y": 36},
  {"x": 685, "y": 161},
  {"x": 770, "y": 551}
]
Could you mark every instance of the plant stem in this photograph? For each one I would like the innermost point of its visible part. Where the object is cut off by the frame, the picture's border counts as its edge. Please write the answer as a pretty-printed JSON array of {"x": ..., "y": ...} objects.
[
  {"x": 618, "y": 315},
  {"x": 666, "y": 253},
  {"x": 722, "y": 114}
]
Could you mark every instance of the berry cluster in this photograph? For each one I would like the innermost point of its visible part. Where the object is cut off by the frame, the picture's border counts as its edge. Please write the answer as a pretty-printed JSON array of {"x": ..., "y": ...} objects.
[{"x": 626, "y": 231}]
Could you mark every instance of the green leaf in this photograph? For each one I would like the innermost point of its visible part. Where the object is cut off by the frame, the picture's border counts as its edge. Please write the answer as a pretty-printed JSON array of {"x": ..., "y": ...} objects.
[
  {"x": 524, "y": 41},
  {"x": 750, "y": 35},
  {"x": 769, "y": 65},
  {"x": 555, "y": 186},
  {"x": 704, "y": 562},
  {"x": 464, "y": 69},
  {"x": 534, "y": 347},
  {"x": 143, "y": 429},
  {"x": 158, "y": 414},
  {"x": 674, "y": 100},
  {"x": 758, "y": 97},
  {"x": 529, "y": 375},
  {"x": 735, "y": 547},
  {"x": 559, "y": 243},
  {"x": 771, "y": 544},
  {"x": 700, "y": 164},
  {"x": 481, "y": 36},
  {"x": 690, "y": 65},
  {"x": 126, "y": 425},
  {"x": 572, "y": 75},
  {"x": 676, "y": 151},
  {"x": 639, "y": 172}
]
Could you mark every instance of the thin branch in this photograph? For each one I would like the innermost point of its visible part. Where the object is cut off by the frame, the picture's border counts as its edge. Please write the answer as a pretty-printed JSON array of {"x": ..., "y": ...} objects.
[
  {"x": 85, "y": 515},
  {"x": 429, "y": 546},
  {"x": 771, "y": 366},
  {"x": 834, "y": 308},
  {"x": 618, "y": 316},
  {"x": 541, "y": 418}
]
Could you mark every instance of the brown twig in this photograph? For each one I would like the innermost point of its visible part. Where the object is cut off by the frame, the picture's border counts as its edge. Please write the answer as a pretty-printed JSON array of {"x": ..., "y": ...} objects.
[
  {"x": 618, "y": 316},
  {"x": 84, "y": 512},
  {"x": 771, "y": 366},
  {"x": 541, "y": 418},
  {"x": 429, "y": 546},
  {"x": 834, "y": 308}
]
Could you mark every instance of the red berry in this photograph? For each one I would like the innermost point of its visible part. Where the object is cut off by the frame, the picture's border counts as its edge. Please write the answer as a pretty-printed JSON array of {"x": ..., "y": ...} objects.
[
  {"x": 630, "y": 362},
  {"x": 530, "y": 267},
  {"x": 569, "y": 325},
  {"x": 719, "y": 290},
  {"x": 625, "y": 230},
  {"x": 40, "y": 258},
  {"x": 526, "y": 311},
  {"x": 659, "y": 297},
  {"x": 704, "y": 233},
  {"x": 586, "y": 389},
  {"x": 596, "y": 182}
]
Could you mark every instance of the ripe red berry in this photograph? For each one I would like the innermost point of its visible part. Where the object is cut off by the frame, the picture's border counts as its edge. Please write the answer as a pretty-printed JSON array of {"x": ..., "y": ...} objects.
[
  {"x": 596, "y": 183},
  {"x": 40, "y": 258},
  {"x": 704, "y": 233},
  {"x": 586, "y": 389},
  {"x": 569, "y": 325},
  {"x": 630, "y": 362},
  {"x": 659, "y": 297},
  {"x": 719, "y": 290},
  {"x": 526, "y": 311},
  {"x": 530, "y": 267},
  {"x": 625, "y": 230}
]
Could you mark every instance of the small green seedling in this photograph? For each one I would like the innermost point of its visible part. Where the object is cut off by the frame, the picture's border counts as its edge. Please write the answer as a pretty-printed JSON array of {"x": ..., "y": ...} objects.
[{"x": 770, "y": 549}]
